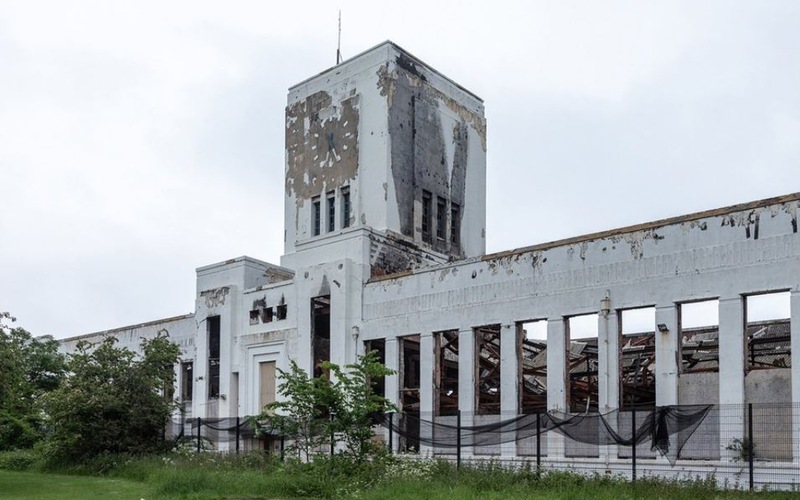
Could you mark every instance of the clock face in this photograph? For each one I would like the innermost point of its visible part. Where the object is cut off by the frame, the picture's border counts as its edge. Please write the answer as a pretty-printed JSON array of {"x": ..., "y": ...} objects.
[{"x": 321, "y": 144}]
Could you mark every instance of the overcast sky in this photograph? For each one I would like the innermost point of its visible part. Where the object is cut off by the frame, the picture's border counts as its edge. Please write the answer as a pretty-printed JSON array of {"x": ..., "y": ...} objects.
[{"x": 140, "y": 140}]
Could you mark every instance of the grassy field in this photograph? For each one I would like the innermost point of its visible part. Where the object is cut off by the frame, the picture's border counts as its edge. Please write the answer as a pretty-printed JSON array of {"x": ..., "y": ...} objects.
[
  {"x": 255, "y": 476},
  {"x": 36, "y": 485}
]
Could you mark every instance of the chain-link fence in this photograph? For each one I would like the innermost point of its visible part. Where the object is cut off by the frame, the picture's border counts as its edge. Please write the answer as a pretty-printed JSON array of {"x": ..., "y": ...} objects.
[{"x": 738, "y": 446}]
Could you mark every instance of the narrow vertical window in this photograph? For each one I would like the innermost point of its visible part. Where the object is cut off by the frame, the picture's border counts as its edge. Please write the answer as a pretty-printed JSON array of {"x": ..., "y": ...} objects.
[
  {"x": 427, "y": 208},
  {"x": 187, "y": 381},
  {"x": 331, "y": 212},
  {"x": 316, "y": 216},
  {"x": 321, "y": 334},
  {"x": 441, "y": 218},
  {"x": 346, "y": 207},
  {"x": 213, "y": 356},
  {"x": 455, "y": 224}
]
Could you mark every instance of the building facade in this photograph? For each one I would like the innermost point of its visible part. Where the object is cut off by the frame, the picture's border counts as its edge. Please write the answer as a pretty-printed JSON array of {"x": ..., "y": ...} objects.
[{"x": 384, "y": 232}]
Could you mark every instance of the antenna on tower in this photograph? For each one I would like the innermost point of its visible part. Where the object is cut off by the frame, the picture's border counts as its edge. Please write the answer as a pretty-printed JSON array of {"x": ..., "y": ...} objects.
[{"x": 339, "y": 40}]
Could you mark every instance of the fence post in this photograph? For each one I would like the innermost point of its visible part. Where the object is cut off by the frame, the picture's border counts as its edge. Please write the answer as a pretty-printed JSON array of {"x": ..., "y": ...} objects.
[
  {"x": 282, "y": 448},
  {"x": 391, "y": 433},
  {"x": 538, "y": 441},
  {"x": 633, "y": 443},
  {"x": 750, "y": 447},
  {"x": 332, "y": 436},
  {"x": 458, "y": 439},
  {"x": 237, "y": 435},
  {"x": 199, "y": 425}
]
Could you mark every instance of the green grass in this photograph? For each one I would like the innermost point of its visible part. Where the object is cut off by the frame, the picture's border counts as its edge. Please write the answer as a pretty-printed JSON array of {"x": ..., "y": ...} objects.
[
  {"x": 41, "y": 486},
  {"x": 208, "y": 476}
]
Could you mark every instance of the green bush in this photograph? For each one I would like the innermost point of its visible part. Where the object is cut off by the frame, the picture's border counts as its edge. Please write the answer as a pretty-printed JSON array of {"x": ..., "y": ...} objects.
[
  {"x": 19, "y": 460},
  {"x": 111, "y": 404},
  {"x": 16, "y": 432}
]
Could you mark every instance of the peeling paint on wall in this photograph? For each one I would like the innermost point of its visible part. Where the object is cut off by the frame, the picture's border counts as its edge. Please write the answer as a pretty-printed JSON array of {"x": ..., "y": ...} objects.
[
  {"x": 321, "y": 145},
  {"x": 215, "y": 297}
]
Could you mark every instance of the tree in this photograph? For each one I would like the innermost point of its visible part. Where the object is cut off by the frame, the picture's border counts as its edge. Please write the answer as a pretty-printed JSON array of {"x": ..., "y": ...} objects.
[
  {"x": 113, "y": 401},
  {"x": 315, "y": 410},
  {"x": 356, "y": 402},
  {"x": 303, "y": 415},
  {"x": 29, "y": 368}
]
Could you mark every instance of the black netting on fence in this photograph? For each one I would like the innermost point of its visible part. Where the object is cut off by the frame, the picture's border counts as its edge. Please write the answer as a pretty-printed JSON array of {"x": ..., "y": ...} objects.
[{"x": 666, "y": 428}]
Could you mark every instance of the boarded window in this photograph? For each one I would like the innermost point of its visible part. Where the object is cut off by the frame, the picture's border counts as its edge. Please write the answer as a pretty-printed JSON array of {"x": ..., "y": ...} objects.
[
  {"x": 266, "y": 383},
  {"x": 187, "y": 380},
  {"x": 487, "y": 364}
]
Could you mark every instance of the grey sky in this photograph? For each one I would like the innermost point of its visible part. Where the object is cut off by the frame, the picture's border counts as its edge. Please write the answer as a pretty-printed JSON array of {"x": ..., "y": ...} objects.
[{"x": 140, "y": 140}]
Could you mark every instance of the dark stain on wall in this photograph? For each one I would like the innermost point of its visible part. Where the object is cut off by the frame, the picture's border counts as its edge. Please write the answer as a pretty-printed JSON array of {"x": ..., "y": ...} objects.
[
  {"x": 391, "y": 254},
  {"x": 418, "y": 149}
]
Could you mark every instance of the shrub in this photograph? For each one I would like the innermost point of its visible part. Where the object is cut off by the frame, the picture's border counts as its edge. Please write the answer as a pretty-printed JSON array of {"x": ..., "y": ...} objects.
[{"x": 18, "y": 460}]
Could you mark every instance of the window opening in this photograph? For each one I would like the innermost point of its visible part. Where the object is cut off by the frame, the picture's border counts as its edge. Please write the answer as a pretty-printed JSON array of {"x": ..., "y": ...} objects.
[
  {"x": 769, "y": 342},
  {"x": 427, "y": 208},
  {"x": 331, "y": 212},
  {"x": 455, "y": 224},
  {"x": 446, "y": 374},
  {"x": 213, "y": 330},
  {"x": 346, "y": 207},
  {"x": 699, "y": 327},
  {"x": 582, "y": 363},
  {"x": 637, "y": 358},
  {"x": 441, "y": 218},
  {"x": 532, "y": 365},
  {"x": 280, "y": 311},
  {"x": 187, "y": 380},
  {"x": 316, "y": 216},
  {"x": 409, "y": 391},
  {"x": 321, "y": 333},
  {"x": 379, "y": 345},
  {"x": 487, "y": 354},
  {"x": 254, "y": 315}
]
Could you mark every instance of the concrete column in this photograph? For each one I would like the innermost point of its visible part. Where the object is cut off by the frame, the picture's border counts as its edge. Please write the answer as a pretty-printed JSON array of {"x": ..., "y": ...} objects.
[
  {"x": 731, "y": 372},
  {"x": 200, "y": 367},
  {"x": 466, "y": 381},
  {"x": 392, "y": 383},
  {"x": 509, "y": 384},
  {"x": 557, "y": 349},
  {"x": 426, "y": 389},
  {"x": 795, "y": 340},
  {"x": 608, "y": 357},
  {"x": 667, "y": 355}
]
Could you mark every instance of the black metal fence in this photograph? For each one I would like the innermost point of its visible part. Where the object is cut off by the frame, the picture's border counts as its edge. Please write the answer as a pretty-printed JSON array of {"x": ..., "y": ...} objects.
[{"x": 739, "y": 446}]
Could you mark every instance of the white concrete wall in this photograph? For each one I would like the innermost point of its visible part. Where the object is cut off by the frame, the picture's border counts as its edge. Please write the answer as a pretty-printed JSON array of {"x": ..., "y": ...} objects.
[{"x": 663, "y": 265}]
